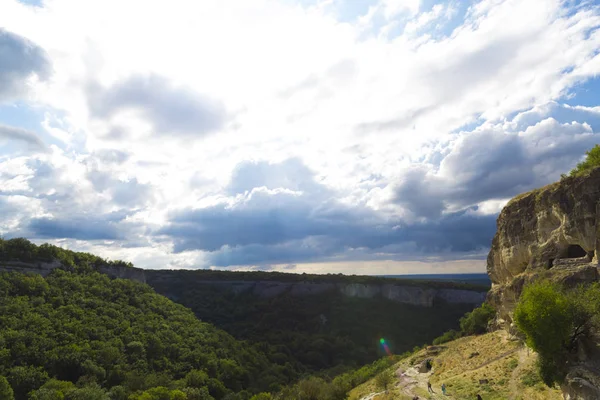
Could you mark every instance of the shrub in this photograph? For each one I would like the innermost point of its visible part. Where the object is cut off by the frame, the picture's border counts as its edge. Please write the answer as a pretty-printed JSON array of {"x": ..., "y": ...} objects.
[
  {"x": 553, "y": 320},
  {"x": 446, "y": 337},
  {"x": 384, "y": 379},
  {"x": 476, "y": 321},
  {"x": 6, "y": 391},
  {"x": 592, "y": 160}
]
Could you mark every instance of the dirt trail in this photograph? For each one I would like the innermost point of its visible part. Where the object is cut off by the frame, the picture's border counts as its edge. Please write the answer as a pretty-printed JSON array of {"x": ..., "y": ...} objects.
[
  {"x": 411, "y": 379},
  {"x": 516, "y": 374},
  {"x": 371, "y": 396}
]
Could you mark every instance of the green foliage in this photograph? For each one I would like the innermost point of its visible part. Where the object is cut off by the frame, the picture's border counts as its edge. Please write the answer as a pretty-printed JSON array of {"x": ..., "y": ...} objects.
[
  {"x": 78, "y": 334},
  {"x": 262, "y": 396},
  {"x": 592, "y": 160},
  {"x": 531, "y": 378},
  {"x": 6, "y": 392},
  {"x": 476, "y": 321},
  {"x": 326, "y": 332},
  {"x": 384, "y": 379},
  {"x": 446, "y": 337},
  {"x": 20, "y": 249},
  {"x": 115, "y": 338},
  {"x": 553, "y": 320}
]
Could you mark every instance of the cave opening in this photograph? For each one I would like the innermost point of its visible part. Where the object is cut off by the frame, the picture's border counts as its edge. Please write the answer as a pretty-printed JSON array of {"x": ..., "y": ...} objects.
[{"x": 574, "y": 251}]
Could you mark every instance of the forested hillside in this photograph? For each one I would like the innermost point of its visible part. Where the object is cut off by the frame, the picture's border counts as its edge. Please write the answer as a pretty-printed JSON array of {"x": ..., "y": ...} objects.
[
  {"x": 78, "y": 334},
  {"x": 117, "y": 337},
  {"x": 326, "y": 332}
]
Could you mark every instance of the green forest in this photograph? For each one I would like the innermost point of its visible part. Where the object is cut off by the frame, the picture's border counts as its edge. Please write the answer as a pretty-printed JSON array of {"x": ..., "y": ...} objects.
[
  {"x": 78, "y": 334},
  {"x": 327, "y": 333}
]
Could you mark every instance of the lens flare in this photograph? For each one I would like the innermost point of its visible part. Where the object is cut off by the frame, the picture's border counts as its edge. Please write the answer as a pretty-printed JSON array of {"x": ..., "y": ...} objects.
[{"x": 385, "y": 347}]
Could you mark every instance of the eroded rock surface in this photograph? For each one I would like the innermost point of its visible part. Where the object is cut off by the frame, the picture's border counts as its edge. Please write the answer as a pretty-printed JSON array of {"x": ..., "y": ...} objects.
[{"x": 550, "y": 233}]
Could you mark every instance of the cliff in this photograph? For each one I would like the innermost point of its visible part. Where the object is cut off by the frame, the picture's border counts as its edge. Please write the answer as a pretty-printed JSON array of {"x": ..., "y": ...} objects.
[
  {"x": 162, "y": 281},
  {"x": 549, "y": 233},
  {"x": 44, "y": 268},
  {"x": 424, "y": 296}
]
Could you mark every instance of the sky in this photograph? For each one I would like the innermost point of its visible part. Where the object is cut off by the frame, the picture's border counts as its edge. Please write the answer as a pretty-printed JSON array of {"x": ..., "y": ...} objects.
[{"x": 360, "y": 137}]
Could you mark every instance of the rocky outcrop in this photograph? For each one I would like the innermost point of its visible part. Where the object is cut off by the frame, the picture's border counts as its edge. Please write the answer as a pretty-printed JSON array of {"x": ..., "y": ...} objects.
[
  {"x": 550, "y": 233},
  {"x": 538, "y": 228},
  {"x": 44, "y": 268}
]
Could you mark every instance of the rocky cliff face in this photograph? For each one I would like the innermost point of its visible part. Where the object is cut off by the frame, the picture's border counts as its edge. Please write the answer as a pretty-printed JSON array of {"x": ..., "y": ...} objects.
[
  {"x": 549, "y": 233},
  {"x": 44, "y": 268},
  {"x": 415, "y": 295}
]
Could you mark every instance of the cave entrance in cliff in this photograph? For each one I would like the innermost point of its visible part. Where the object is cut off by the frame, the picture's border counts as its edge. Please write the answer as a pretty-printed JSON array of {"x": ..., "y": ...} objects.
[{"x": 574, "y": 251}]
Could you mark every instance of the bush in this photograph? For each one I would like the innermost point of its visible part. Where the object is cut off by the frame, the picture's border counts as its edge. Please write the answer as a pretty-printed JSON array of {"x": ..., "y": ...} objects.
[
  {"x": 446, "y": 337},
  {"x": 6, "y": 391},
  {"x": 384, "y": 379},
  {"x": 592, "y": 160},
  {"x": 553, "y": 320},
  {"x": 476, "y": 321}
]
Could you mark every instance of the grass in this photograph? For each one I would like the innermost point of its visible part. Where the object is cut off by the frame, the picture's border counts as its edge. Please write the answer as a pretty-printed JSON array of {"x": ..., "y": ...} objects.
[{"x": 502, "y": 369}]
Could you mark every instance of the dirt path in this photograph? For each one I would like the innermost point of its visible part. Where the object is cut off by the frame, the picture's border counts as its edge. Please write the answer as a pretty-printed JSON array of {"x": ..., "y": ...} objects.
[
  {"x": 411, "y": 379},
  {"x": 371, "y": 396},
  {"x": 516, "y": 374}
]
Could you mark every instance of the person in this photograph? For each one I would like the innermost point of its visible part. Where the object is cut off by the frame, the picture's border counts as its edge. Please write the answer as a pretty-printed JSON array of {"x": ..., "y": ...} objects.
[
  {"x": 429, "y": 388},
  {"x": 479, "y": 397},
  {"x": 444, "y": 389}
]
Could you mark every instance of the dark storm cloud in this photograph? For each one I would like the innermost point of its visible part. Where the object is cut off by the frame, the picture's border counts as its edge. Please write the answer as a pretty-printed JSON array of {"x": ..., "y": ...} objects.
[
  {"x": 294, "y": 219},
  {"x": 73, "y": 228},
  {"x": 19, "y": 59},
  {"x": 170, "y": 109},
  {"x": 454, "y": 236},
  {"x": 23, "y": 136}
]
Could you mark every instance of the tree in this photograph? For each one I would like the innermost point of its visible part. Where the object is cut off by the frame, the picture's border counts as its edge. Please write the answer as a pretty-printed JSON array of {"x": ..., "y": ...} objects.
[
  {"x": 592, "y": 160},
  {"x": 553, "y": 320},
  {"x": 384, "y": 379},
  {"x": 262, "y": 396},
  {"x": 6, "y": 392},
  {"x": 476, "y": 321}
]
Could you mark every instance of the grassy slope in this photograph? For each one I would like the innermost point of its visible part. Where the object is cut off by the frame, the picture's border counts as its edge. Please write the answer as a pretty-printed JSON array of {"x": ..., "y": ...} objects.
[{"x": 508, "y": 367}]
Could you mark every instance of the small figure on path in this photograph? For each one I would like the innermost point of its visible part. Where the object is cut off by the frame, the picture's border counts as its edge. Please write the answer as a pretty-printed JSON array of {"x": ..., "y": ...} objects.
[
  {"x": 444, "y": 389},
  {"x": 429, "y": 388},
  {"x": 479, "y": 397}
]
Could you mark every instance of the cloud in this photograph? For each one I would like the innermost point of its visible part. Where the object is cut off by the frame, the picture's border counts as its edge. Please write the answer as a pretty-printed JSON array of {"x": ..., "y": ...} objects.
[
  {"x": 169, "y": 108},
  {"x": 73, "y": 228},
  {"x": 495, "y": 162},
  {"x": 19, "y": 60},
  {"x": 288, "y": 217},
  {"x": 30, "y": 139},
  {"x": 386, "y": 130}
]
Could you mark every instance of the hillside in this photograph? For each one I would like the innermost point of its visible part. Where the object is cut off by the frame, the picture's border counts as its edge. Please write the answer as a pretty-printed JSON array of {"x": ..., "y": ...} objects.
[
  {"x": 490, "y": 365},
  {"x": 115, "y": 337},
  {"x": 320, "y": 323},
  {"x": 66, "y": 327}
]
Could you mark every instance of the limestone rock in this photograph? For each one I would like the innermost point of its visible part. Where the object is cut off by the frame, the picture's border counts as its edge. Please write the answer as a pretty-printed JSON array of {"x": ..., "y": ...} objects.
[
  {"x": 538, "y": 228},
  {"x": 550, "y": 233}
]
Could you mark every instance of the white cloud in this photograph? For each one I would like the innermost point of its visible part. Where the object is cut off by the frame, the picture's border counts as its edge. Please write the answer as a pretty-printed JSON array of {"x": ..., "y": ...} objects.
[{"x": 263, "y": 80}]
